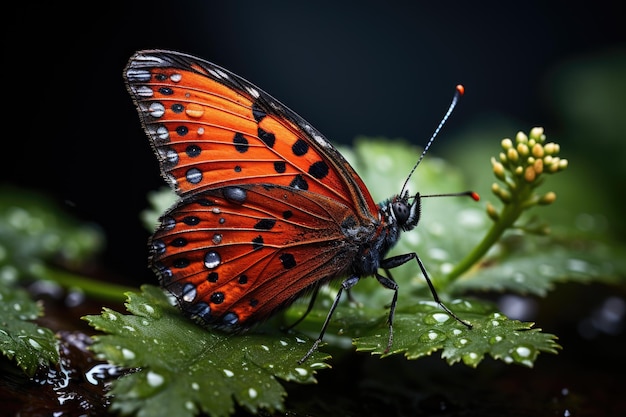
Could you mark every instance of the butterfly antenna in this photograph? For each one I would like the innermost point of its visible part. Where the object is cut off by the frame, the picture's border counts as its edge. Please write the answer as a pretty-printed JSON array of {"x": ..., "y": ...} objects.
[{"x": 457, "y": 95}]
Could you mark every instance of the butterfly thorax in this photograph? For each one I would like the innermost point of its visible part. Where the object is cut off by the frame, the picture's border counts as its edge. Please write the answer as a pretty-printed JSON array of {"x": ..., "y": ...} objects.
[{"x": 396, "y": 214}]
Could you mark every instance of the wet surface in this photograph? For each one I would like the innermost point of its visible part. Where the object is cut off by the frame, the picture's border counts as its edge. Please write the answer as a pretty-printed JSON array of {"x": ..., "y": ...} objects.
[
  {"x": 75, "y": 387},
  {"x": 585, "y": 379}
]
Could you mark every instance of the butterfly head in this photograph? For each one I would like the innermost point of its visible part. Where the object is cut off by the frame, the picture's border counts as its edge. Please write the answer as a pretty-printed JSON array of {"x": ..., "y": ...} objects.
[{"x": 405, "y": 212}]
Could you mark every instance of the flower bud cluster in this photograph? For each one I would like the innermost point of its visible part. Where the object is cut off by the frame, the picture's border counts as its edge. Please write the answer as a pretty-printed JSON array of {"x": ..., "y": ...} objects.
[{"x": 522, "y": 166}]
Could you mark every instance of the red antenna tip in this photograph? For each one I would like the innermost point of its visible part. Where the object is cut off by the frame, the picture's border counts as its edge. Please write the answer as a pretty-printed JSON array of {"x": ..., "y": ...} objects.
[
  {"x": 460, "y": 89},
  {"x": 475, "y": 196}
]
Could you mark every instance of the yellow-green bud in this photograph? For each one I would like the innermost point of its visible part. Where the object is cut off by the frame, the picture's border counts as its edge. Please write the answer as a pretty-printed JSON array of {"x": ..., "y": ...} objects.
[
  {"x": 547, "y": 198},
  {"x": 537, "y": 134},
  {"x": 562, "y": 164},
  {"x": 538, "y": 166},
  {"x": 519, "y": 170},
  {"x": 521, "y": 137},
  {"x": 498, "y": 169},
  {"x": 537, "y": 150},
  {"x": 506, "y": 144},
  {"x": 502, "y": 194},
  {"x": 530, "y": 174},
  {"x": 551, "y": 148},
  {"x": 503, "y": 158},
  {"x": 522, "y": 148},
  {"x": 492, "y": 213},
  {"x": 512, "y": 155}
]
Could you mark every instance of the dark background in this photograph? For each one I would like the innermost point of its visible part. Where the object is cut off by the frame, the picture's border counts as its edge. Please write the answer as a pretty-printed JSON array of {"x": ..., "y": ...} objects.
[{"x": 350, "y": 68}]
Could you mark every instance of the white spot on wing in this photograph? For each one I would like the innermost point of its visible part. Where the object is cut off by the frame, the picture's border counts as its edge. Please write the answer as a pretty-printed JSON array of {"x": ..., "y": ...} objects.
[{"x": 253, "y": 92}]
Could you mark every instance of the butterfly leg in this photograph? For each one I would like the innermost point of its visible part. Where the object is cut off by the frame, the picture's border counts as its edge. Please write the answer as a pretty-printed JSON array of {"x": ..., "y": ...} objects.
[
  {"x": 389, "y": 283},
  {"x": 316, "y": 290},
  {"x": 396, "y": 261},
  {"x": 345, "y": 286}
]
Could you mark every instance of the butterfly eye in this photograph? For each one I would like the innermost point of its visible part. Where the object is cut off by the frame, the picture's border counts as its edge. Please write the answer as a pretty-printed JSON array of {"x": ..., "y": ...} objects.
[
  {"x": 407, "y": 214},
  {"x": 401, "y": 212}
]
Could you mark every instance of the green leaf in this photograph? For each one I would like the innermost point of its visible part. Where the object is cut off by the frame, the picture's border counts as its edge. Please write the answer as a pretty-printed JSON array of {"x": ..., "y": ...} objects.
[
  {"x": 540, "y": 266},
  {"x": 31, "y": 346},
  {"x": 424, "y": 328},
  {"x": 183, "y": 369},
  {"x": 160, "y": 201},
  {"x": 33, "y": 231}
]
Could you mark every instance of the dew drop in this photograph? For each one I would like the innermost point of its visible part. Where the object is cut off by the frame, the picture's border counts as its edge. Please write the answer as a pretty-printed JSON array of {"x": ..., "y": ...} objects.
[
  {"x": 432, "y": 336},
  {"x": 194, "y": 110},
  {"x": 577, "y": 265},
  {"x": 34, "y": 344},
  {"x": 283, "y": 343},
  {"x": 156, "y": 109},
  {"x": 212, "y": 259},
  {"x": 148, "y": 308},
  {"x": 154, "y": 379},
  {"x": 195, "y": 386},
  {"x": 189, "y": 292},
  {"x": 217, "y": 238},
  {"x": 128, "y": 354},
  {"x": 441, "y": 317},
  {"x": 189, "y": 405},
  {"x": 229, "y": 373},
  {"x": 301, "y": 371},
  {"x": 112, "y": 316},
  {"x": 252, "y": 393},
  {"x": 129, "y": 328},
  {"x": 429, "y": 303},
  {"x": 523, "y": 351}
]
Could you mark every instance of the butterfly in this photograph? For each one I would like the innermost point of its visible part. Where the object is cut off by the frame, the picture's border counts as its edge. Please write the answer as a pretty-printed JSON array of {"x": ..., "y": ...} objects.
[{"x": 269, "y": 210}]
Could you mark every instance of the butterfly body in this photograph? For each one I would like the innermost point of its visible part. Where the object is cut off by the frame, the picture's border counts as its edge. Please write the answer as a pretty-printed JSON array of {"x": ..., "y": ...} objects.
[{"x": 269, "y": 209}]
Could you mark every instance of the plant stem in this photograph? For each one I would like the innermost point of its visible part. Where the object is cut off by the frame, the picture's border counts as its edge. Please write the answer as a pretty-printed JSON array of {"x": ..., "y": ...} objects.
[
  {"x": 509, "y": 214},
  {"x": 92, "y": 288}
]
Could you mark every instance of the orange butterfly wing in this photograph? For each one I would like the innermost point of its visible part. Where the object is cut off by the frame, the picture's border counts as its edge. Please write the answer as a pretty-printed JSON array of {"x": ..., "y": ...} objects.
[
  {"x": 211, "y": 128},
  {"x": 239, "y": 252},
  {"x": 268, "y": 205}
]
